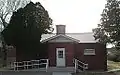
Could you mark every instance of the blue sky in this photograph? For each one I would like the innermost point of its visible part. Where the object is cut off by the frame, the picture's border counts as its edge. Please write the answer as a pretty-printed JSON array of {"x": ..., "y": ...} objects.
[{"x": 78, "y": 15}]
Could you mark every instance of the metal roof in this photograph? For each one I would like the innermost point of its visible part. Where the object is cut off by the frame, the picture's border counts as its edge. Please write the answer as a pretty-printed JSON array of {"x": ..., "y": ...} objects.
[{"x": 82, "y": 37}]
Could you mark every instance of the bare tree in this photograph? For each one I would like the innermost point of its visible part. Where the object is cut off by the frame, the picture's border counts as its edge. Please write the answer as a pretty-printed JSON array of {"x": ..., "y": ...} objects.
[{"x": 7, "y": 7}]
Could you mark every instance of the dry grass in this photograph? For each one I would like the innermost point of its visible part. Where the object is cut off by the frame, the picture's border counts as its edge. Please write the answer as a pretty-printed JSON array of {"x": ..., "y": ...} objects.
[{"x": 113, "y": 66}]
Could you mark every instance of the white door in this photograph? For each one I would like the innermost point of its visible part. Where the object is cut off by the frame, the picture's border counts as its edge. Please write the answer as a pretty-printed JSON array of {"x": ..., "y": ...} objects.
[{"x": 60, "y": 57}]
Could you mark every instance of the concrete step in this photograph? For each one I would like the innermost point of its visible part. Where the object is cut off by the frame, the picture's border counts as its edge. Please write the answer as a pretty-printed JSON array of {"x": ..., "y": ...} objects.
[
  {"x": 61, "y": 73},
  {"x": 61, "y": 69}
]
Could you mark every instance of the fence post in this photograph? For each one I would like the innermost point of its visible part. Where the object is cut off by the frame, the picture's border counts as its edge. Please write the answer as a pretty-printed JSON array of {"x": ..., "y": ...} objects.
[
  {"x": 14, "y": 65},
  {"x": 32, "y": 64},
  {"x": 17, "y": 66},
  {"x": 47, "y": 64},
  {"x": 75, "y": 65},
  {"x": 27, "y": 64},
  {"x": 24, "y": 65},
  {"x": 86, "y": 66},
  {"x": 38, "y": 63}
]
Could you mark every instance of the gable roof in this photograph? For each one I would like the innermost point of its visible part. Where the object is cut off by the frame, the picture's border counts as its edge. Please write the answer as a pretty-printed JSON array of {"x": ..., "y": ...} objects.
[
  {"x": 55, "y": 36},
  {"x": 82, "y": 37}
]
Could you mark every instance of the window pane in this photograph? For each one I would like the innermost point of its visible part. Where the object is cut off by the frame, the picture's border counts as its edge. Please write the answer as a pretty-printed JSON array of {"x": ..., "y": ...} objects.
[
  {"x": 60, "y": 54},
  {"x": 89, "y": 52}
]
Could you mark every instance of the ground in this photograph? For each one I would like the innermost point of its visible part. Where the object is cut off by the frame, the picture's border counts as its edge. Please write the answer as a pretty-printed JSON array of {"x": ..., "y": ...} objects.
[
  {"x": 113, "y": 69},
  {"x": 113, "y": 65}
]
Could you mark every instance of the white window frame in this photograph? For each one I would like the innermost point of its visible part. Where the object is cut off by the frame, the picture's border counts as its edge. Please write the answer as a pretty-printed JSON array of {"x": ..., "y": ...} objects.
[
  {"x": 89, "y": 51},
  {"x": 60, "y": 54}
]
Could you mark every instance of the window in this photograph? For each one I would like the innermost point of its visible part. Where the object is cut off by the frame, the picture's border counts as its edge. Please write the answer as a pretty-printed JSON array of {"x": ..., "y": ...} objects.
[
  {"x": 60, "y": 54},
  {"x": 89, "y": 51}
]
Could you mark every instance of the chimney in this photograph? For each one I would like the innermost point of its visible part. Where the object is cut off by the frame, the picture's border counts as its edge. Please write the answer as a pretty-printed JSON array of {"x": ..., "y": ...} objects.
[{"x": 60, "y": 29}]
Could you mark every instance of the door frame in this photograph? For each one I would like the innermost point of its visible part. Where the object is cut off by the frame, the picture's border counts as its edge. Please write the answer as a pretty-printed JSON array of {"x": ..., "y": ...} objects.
[{"x": 59, "y": 60}]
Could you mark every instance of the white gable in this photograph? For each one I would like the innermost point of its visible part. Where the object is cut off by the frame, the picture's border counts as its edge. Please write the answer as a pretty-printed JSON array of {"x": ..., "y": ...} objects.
[
  {"x": 82, "y": 37},
  {"x": 61, "y": 39}
]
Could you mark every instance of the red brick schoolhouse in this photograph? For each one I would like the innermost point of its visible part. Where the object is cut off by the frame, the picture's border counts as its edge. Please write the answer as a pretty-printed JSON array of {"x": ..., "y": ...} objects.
[{"x": 64, "y": 47}]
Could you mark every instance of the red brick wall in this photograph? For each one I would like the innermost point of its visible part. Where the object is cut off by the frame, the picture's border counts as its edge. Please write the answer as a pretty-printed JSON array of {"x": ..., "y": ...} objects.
[
  {"x": 95, "y": 62},
  {"x": 69, "y": 52}
]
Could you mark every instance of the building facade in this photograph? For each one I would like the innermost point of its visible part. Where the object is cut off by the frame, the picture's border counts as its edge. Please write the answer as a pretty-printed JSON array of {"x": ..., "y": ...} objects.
[{"x": 64, "y": 47}]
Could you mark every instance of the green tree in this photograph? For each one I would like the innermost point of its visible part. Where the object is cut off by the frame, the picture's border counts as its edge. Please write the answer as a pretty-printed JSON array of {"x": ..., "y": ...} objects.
[
  {"x": 26, "y": 27},
  {"x": 7, "y": 7},
  {"x": 108, "y": 31}
]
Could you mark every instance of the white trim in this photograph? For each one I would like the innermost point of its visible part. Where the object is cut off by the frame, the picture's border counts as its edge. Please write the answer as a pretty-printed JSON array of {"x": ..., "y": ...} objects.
[
  {"x": 89, "y": 51},
  {"x": 60, "y": 61},
  {"x": 58, "y": 36}
]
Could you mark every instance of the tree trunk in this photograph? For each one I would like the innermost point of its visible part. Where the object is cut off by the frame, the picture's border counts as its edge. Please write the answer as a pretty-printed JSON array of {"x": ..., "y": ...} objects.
[{"x": 4, "y": 55}]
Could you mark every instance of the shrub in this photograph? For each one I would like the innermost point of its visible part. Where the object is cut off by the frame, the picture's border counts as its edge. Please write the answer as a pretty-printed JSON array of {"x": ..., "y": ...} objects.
[{"x": 112, "y": 56}]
